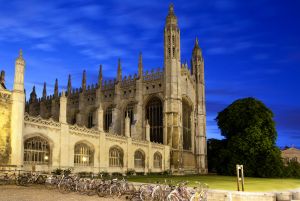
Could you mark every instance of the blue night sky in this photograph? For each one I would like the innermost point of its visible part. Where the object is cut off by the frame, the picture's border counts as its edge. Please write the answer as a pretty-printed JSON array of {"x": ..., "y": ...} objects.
[{"x": 250, "y": 48}]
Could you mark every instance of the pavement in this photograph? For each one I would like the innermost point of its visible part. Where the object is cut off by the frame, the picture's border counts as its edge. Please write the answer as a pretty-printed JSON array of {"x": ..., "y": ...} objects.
[{"x": 40, "y": 193}]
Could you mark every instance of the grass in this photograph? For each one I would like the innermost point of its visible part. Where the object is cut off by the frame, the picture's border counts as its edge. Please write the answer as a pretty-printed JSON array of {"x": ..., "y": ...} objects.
[{"x": 226, "y": 182}]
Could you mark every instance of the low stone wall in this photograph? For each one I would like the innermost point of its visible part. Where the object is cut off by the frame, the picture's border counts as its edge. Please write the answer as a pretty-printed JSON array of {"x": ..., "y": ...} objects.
[{"x": 220, "y": 195}]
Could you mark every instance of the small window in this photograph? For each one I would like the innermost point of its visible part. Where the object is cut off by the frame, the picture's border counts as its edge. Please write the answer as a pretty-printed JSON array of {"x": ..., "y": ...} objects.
[
  {"x": 139, "y": 159},
  {"x": 83, "y": 156},
  {"x": 115, "y": 157},
  {"x": 157, "y": 160}
]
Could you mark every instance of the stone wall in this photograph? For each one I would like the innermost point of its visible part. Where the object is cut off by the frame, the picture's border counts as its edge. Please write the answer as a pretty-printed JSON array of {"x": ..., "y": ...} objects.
[
  {"x": 221, "y": 195},
  {"x": 62, "y": 139},
  {"x": 5, "y": 131},
  {"x": 291, "y": 154}
]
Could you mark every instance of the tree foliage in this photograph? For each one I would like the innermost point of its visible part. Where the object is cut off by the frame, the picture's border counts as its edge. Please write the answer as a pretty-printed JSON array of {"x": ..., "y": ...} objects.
[{"x": 250, "y": 136}]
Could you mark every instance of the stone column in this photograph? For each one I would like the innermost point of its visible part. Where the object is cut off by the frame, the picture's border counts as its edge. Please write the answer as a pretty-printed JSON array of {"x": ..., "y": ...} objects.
[
  {"x": 127, "y": 126},
  {"x": 147, "y": 131},
  {"x": 63, "y": 109},
  {"x": 64, "y": 134},
  {"x": 100, "y": 119},
  {"x": 17, "y": 113},
  {"x": 192, "y": 132}
]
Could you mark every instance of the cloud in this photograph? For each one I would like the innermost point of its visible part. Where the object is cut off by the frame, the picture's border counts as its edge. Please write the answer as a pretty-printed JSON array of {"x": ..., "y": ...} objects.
[{"x": 43, "y": 46}]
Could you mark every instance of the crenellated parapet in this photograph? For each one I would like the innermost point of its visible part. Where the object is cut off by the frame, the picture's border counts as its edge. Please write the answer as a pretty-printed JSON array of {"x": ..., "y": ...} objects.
[
  {"x": 153, "y": 75},
  {"x": 39, "y": 122},
  {"x": 186, "y": 72},
  {"x": 83, "y": 131},
  {"x": 128, "y": 81}
]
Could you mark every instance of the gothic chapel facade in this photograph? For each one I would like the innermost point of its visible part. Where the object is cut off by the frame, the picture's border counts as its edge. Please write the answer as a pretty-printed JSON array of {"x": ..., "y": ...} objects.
[{"x": 150, "y": 122}]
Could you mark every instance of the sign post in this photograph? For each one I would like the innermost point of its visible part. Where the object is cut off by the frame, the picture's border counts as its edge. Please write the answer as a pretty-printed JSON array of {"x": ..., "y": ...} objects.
[{"x": 240, "y": 177}]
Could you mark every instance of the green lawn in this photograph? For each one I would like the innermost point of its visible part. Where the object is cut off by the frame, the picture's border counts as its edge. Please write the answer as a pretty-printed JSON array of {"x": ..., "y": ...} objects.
[{"x": 226, "y": 182}]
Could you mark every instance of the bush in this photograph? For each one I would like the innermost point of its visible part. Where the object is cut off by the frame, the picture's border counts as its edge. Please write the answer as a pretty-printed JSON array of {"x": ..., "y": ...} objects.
[
  {"x": 292, "y": 169},
  {"x": 130, "y": 172},
  {"x": 85, "y": 174},
  {"x": 155, "y": 173},
  {"x": 67, "y": 172},
  {"x": 103, "y": 174},
  {"x": 117, "y": 174},
  {"x": 167, "y": 172},
  {"x": 57, "y": 171}
]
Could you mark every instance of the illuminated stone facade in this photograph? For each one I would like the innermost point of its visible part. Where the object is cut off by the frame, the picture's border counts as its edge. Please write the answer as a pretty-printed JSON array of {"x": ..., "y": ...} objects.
[
  {"x": 150, "y": 122},
  {"x": 291, "y": 154}
]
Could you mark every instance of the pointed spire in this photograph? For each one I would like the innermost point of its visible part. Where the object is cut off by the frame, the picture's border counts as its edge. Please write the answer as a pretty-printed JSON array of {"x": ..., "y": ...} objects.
[
  {"x": 100, "y": 76},
  {"x": 2, "y": 79},
  {"x": 69, "y": 85},
  {"x": 56, "y": 88},
  {"x": 32, "y": 95},
  {"x": 20, "y": 54},
  {"x": 44, "y": 91},
  {"x": 84, "y": 81},
  {"x": 20, "y": 59},
  {"x": 171, "y": 9},
  {"x": 171, "y": 18},
  {"x": 140, "y": 70},
  {"x": 196, "y": 42},
  {"x": 119, "y": 76},
  {"x": 197, "y": 49}
]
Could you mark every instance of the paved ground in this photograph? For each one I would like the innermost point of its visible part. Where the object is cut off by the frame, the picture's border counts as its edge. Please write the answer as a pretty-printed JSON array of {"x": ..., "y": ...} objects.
[{"x": 40, "y": 193}]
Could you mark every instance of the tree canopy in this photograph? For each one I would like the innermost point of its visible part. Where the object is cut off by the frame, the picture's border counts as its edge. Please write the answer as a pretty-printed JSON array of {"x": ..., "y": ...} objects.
[{"x": 250, "y": 136}]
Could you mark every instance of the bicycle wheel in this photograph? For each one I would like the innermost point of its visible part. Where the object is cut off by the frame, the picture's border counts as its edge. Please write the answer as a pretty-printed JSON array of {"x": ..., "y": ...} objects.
[
  {"x": 172, "y": 197},
  {"x": 40, "y": 180},
  {"x": 63, "y": 188},
  {"x": 101, "y": 191},
  {"x": 145, "y": 195},
  {"x": 115, "y": 191},
  {"x": 23, "y": 181}
]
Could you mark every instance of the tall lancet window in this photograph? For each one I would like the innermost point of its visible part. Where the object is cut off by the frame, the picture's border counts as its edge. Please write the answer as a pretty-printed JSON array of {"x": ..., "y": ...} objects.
[
  {"x": 186, "y": 125},
  {"x": 169, "y": 46},
  {"x": 107, "y": 118},
  {"x": 90, "y": 120},
  {"x": 173, "y": 45},
  {"x": 154, "y": 114}
]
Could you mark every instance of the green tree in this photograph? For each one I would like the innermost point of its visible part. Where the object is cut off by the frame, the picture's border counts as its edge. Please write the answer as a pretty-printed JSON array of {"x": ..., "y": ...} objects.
[{"x": 250, "y": 136}]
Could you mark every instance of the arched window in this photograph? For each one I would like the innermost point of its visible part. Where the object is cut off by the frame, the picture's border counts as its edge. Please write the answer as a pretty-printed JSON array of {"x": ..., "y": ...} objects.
[
  {"x": 36, "y": 151},
  {"x": 154, "y": 114},
  {"x": 115, "y": 157},
  {"x": 139, "y": 159},
  {"x": 107, "y": 118},
  {"x": 186, "y": 125},
  {"x": 157, "y": 160},
  {"x": 83, "y": 155},
  {"x": 90, "y": 120}
]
